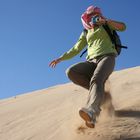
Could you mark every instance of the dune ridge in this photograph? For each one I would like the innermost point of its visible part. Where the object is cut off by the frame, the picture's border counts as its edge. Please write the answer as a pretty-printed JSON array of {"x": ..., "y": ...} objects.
[{"x": 52, "y": 113}]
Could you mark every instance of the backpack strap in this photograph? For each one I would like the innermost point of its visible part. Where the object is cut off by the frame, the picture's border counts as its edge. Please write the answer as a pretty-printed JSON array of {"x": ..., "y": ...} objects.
[
  {"x": 83, "y": 52},
  {"x": 108, "y": 30}
]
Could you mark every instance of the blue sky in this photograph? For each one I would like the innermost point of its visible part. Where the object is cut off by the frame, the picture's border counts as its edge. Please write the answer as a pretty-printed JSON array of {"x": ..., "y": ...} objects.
[{"x": 34, "y": 32}]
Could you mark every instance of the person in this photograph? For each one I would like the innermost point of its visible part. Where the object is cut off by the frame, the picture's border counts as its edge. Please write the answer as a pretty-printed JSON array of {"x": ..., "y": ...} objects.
[{"x": 100, "y": 61}]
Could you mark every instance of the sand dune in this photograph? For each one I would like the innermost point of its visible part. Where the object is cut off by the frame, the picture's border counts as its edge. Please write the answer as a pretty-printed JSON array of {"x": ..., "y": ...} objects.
[{"x": 52, "y": 114}]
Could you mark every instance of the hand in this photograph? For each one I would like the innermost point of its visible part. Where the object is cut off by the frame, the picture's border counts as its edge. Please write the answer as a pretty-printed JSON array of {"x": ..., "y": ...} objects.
[
  {"x": 102, "y": 20},
  {"x": 55, "y": 62}
]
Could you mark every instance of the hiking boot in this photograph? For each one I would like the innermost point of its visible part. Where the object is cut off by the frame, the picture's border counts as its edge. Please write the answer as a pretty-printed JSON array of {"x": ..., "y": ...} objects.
[
  {"x": 88, "y": 116},
  {"x": 90, "y": 124}
]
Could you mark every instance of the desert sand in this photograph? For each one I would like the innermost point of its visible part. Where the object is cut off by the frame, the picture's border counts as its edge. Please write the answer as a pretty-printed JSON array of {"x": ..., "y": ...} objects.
[{"x": 52, "y": 114}]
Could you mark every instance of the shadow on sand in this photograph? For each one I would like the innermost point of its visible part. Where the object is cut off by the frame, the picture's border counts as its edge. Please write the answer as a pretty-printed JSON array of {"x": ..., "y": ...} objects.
[
  {"x": 138, "y": 138},
  {"x": 128, "y": 113}
]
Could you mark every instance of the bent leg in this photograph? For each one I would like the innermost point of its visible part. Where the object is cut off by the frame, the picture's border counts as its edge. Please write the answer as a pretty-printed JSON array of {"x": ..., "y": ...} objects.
[{"x": 81, "y": 73}]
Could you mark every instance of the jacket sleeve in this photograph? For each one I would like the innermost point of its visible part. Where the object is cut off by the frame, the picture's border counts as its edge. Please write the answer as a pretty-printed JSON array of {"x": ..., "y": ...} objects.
[{"x": 81, "y": 43}]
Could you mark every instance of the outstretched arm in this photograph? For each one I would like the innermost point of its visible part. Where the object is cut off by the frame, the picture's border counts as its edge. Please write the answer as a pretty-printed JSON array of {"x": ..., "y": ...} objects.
[
  {"x": 81, "y": 43},
  {"x": 55, "y": 62}
]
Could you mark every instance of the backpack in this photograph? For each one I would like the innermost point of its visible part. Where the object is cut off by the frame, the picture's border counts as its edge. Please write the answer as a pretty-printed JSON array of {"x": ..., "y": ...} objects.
[{"x": 115, "y": 39}]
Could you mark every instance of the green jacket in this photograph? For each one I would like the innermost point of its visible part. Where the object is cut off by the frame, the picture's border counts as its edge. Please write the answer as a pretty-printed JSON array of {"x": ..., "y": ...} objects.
[{"x": 97, "y": 41}]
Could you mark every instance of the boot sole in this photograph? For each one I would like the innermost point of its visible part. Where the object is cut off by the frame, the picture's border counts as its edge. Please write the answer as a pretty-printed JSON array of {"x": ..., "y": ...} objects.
[
  {"x": 85, "y": 116},
  {"x": 88, "y": 121},
  {"x": 90, "y": 124}
]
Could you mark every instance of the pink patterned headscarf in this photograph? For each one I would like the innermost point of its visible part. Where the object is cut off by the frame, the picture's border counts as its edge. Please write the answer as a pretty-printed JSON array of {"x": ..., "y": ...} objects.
[{"x": 87, "y": 15}]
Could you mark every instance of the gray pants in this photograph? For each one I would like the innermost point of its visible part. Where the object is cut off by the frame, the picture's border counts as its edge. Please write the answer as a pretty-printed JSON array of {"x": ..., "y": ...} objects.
[{"x": 92, "y": 76}]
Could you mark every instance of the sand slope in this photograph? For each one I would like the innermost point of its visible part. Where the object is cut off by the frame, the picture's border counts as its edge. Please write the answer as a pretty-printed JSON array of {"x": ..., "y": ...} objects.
[{"x": 52, "y": 114}]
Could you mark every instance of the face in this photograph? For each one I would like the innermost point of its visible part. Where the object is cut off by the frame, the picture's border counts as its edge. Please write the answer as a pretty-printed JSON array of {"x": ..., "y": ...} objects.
[
  {"x": 94, "y": 19},
  {"x": 97, "y": 19}
]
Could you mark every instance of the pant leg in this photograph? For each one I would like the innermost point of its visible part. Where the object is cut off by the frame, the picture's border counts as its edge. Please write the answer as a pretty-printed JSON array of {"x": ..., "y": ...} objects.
[
  {"x": 104, "y": 68},
  {"x": 81, "y": 73}
]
